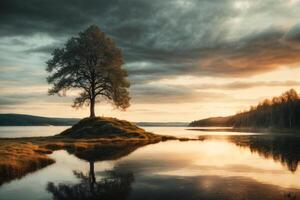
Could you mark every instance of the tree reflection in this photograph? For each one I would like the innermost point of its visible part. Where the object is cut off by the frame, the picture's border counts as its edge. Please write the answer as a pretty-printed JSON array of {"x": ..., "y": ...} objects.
[
  {"x": 109, "y": 151},
  {"x": 285, "y": 149},
  {"x": 115, "y": 185},
  {"x": 112, "y": 185}
]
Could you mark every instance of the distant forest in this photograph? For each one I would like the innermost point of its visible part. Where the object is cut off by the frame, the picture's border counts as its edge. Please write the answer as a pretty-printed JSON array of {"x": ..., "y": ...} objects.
[
  {"x": 30, "y": 120},
  {"x": 279, "y": 112}
]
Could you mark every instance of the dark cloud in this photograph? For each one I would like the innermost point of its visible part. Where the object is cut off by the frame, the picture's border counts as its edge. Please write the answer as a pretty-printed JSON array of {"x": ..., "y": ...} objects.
[
  {"x": 250, "y": 55},
  {"x": 25, "y": 98},
  {"x": 161, "y": 94},
  {"x": 10, "y": 100},
  {"x": 16, "y": 41},
  {"x": 174, "y": 37},
  {"x": 54, "y": 18},
  {"x": 161, "y": 39},
  {"x": 158, "y": 94},
  {"x": 46, "y": 49},
  {"x": 293, "y": 35},
  {"x": 4, "y": 101}
]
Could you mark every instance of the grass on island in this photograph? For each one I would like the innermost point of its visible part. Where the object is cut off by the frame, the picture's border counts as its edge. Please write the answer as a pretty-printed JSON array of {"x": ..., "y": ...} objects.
[
  {"x": 18, "y": 158},
  {"x": 106, "y": 127}
]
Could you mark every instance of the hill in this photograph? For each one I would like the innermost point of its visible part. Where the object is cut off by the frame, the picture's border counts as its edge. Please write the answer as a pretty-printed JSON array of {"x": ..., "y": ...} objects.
[
  {"x": 212, "y": 121},
  {"x": 30, "y": 120},
  {"x": 105, "y": 127}
]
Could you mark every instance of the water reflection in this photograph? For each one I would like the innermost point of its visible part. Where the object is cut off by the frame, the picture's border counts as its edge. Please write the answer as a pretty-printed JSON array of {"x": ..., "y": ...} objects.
[
  {"x": 113, "y": 186},
  {"x": 211, "y": 169},
  {"x": 208, "y": 188},
  {"x": 136, "y": 176},
  {"x": 109, "y": 151},
  {"x": 284, "y": 149}
]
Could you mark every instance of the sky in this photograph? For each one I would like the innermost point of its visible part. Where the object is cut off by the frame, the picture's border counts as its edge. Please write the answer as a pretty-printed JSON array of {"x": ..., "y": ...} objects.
[{"x": 186, "y": 59}]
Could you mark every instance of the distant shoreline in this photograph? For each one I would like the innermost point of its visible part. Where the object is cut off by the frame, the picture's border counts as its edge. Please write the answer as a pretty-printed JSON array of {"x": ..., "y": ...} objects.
[
  {"x": 32, "y": 120},
  {"x": 248, "y": 130}
]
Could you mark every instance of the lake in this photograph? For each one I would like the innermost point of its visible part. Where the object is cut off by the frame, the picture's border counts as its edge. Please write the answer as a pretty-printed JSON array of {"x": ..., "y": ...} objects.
[
  {"x": 35, "y": 131},
  {"x": 237, "y": 166}
]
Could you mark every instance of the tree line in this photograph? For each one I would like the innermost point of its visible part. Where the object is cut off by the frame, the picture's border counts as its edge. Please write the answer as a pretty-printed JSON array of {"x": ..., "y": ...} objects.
[{"x": 279, "y": 112}]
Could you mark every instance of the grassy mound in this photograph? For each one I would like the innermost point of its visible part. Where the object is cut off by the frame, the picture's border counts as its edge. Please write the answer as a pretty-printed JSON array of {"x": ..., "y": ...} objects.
[{"x": 106, "y": 127}]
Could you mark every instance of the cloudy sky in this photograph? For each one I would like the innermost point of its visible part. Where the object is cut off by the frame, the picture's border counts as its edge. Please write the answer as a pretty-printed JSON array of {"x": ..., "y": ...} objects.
[{"x": 187, "y": 59}]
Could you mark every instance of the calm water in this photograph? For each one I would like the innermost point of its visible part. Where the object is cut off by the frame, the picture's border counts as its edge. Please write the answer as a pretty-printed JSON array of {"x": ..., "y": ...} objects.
[
  {"x": 34, "y": 131},
  {"x": 232, "y": 167},
  {"x": 29, "y": 131}
]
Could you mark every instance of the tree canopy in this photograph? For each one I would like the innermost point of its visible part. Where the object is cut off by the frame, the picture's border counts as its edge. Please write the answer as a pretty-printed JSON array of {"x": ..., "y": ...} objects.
[{"x": 92, "y": 63}]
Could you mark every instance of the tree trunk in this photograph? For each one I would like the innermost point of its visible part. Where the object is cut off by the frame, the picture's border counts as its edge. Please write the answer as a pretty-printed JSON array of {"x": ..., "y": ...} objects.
[
  {"x": 92, "y": 107},
  {"x": 92, "y": 178}
]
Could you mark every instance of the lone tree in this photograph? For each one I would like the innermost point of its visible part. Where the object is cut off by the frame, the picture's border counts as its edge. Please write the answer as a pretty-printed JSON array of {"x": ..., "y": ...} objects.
[{"x": 92, "y": 63}]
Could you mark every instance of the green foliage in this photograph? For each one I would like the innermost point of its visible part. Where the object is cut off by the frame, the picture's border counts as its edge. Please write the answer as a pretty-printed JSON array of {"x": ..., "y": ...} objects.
[{"x": 92, "y": 63}]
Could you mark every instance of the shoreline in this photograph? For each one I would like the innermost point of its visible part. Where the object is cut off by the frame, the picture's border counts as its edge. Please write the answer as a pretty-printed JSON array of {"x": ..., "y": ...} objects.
[
  {"x": 21, "y": 156},
  {"x": 248, "y": 130}
]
